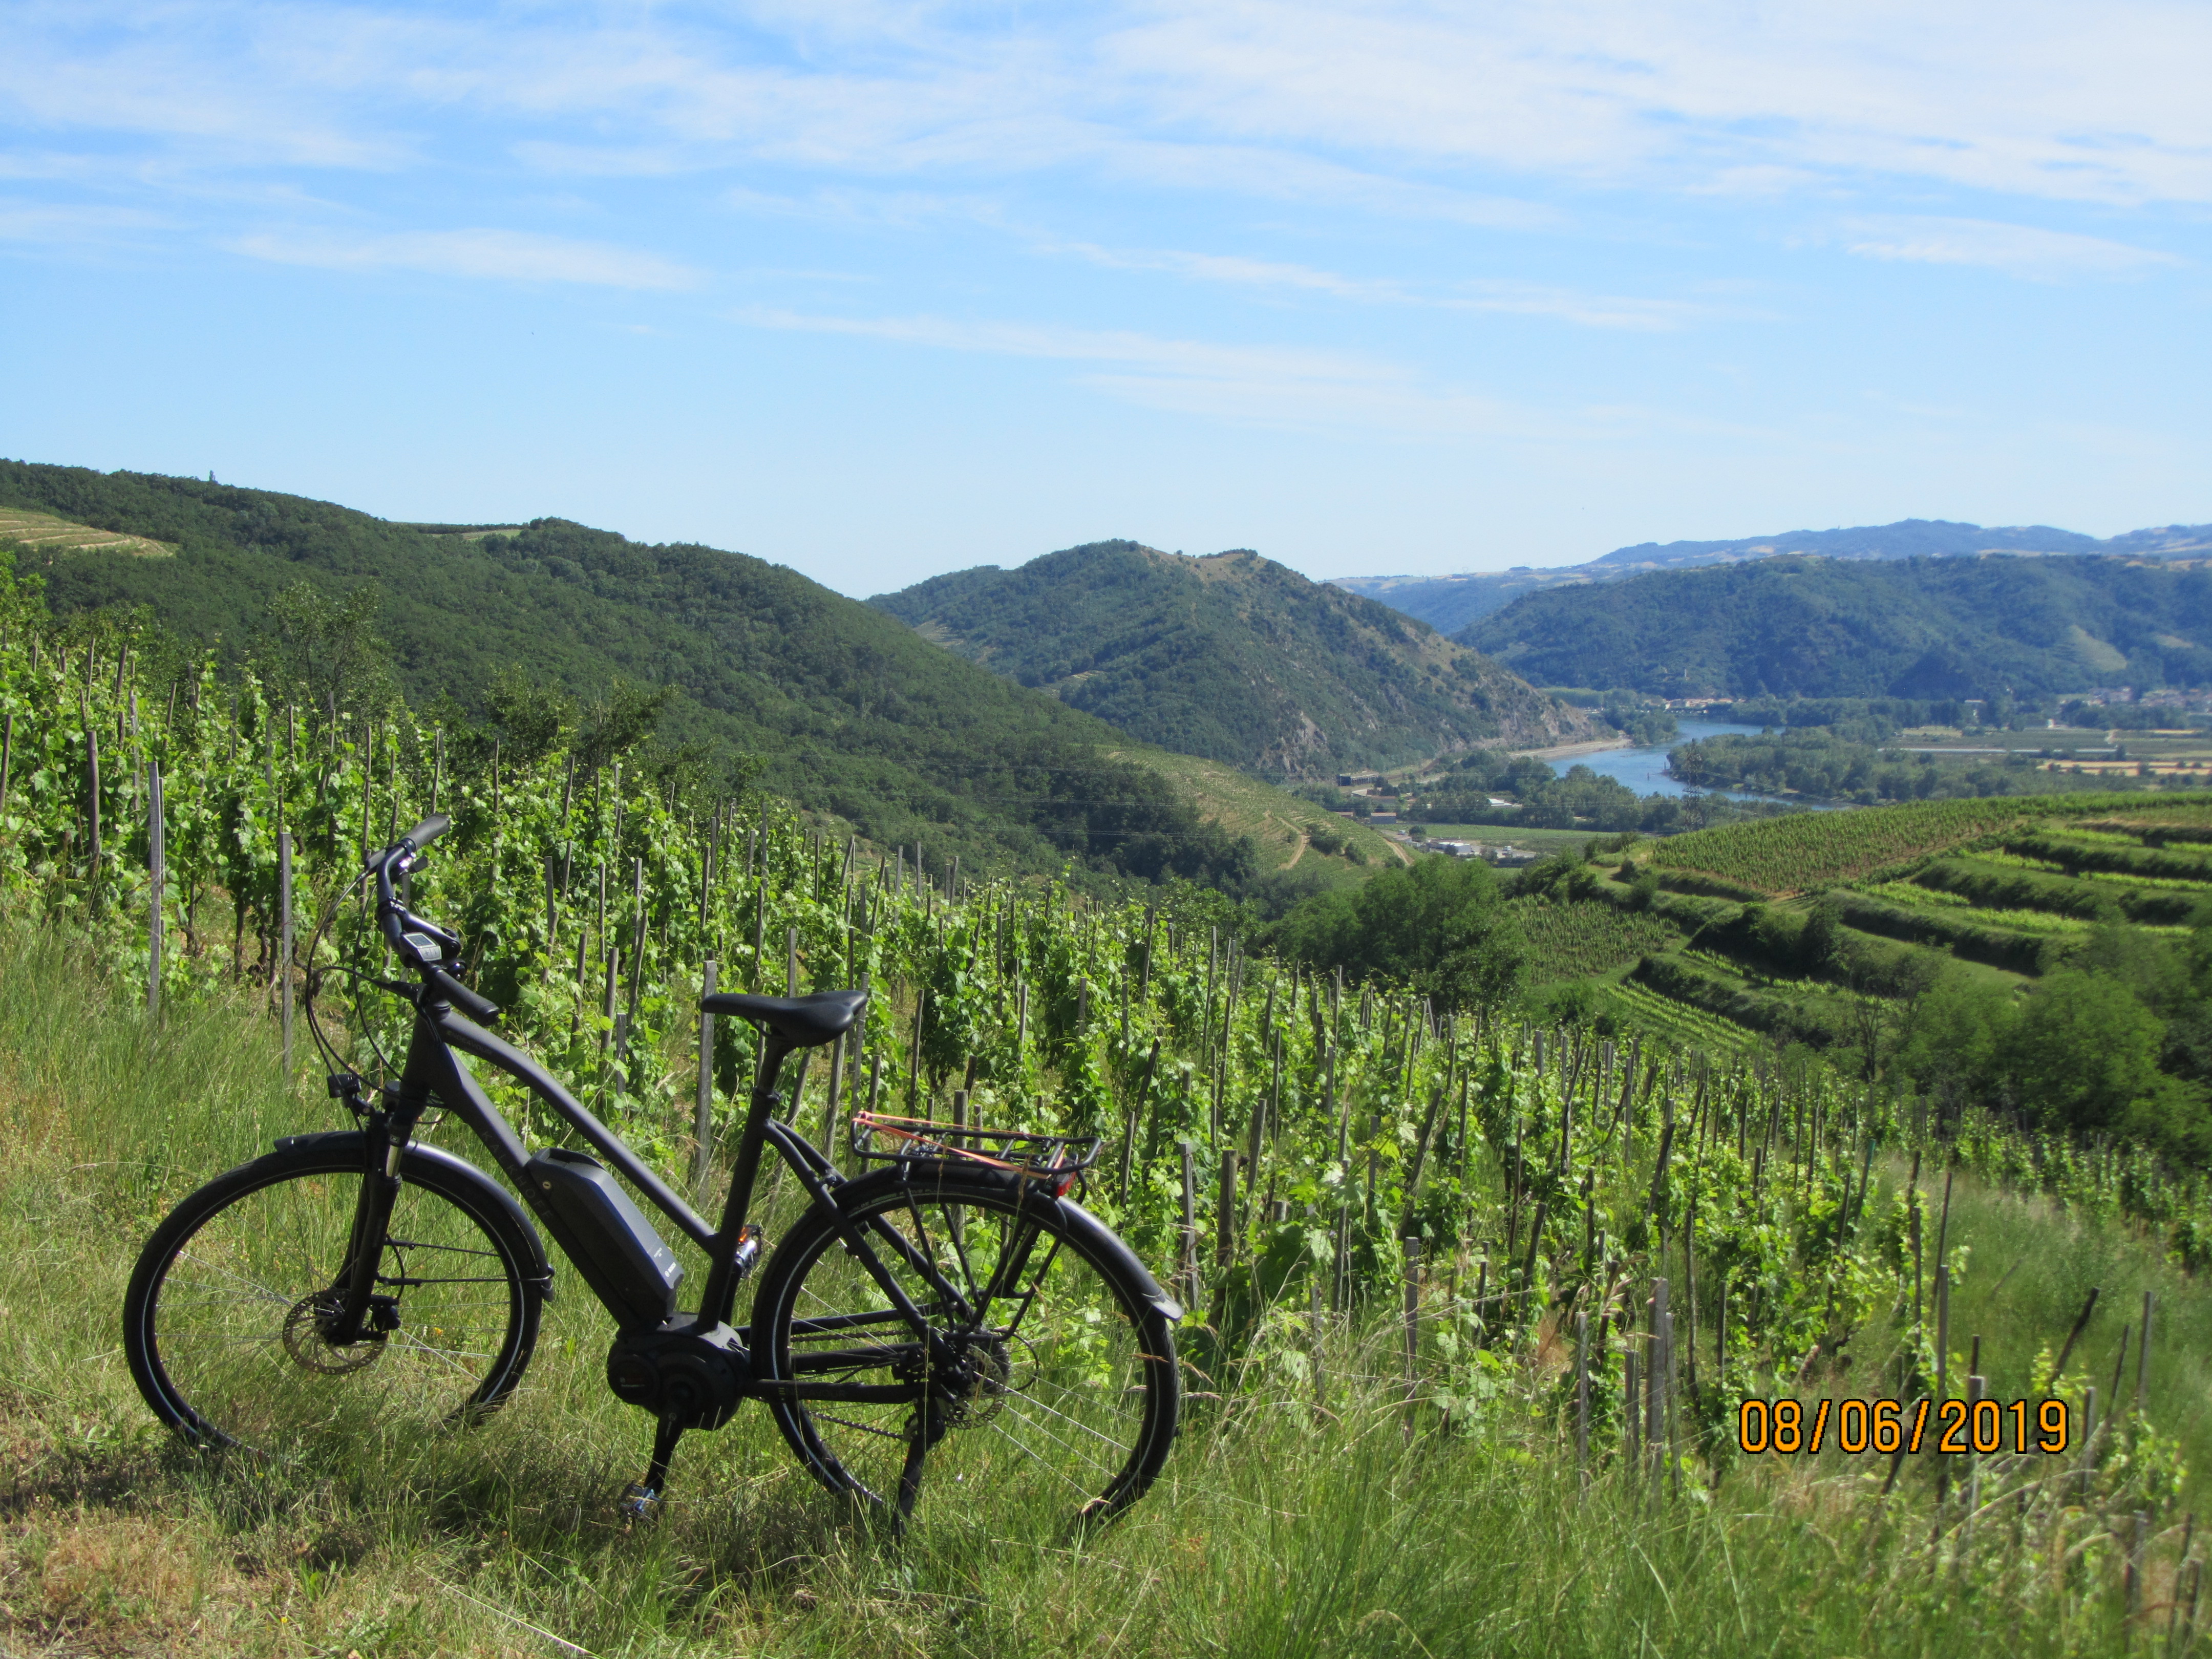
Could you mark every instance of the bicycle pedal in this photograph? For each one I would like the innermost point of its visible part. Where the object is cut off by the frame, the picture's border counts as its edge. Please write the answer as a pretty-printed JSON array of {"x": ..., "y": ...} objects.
[{"x": 639, "y": 1502}]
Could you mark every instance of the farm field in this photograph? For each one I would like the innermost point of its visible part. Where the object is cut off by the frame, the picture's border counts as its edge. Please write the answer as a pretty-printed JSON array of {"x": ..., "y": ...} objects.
[
  {"x": 1645, "y": 1009},
  {"x": 1909, "y": 894},
  {"x": 1586, "y": 937},
  {"x": 1790, "y": 854}
]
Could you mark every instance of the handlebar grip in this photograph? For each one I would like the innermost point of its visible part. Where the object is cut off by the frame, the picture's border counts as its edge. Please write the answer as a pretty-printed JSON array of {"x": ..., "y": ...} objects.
[
  {"x": 429, "y": 830},
  {"x": 478, "y": 1008}
]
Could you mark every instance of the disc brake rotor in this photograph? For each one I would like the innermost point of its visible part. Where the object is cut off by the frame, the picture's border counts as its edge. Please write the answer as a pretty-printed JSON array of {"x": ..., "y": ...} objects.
[{"x": 312, "y": 1351}]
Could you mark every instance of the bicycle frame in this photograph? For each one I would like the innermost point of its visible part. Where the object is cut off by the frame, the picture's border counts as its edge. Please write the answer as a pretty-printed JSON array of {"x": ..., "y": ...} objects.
[{"x": 433, "y": 1072}]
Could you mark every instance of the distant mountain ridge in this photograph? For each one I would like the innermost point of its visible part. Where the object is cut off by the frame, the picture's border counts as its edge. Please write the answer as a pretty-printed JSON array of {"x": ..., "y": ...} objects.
[
  {"x": 1448, "y": 603},
  {"x": 1796, "y": 625},
  {"x": 1231, "y": 657}
]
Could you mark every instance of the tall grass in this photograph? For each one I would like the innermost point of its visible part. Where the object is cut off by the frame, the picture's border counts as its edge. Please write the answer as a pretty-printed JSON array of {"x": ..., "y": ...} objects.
[{"x": 1288, "y": 1524}]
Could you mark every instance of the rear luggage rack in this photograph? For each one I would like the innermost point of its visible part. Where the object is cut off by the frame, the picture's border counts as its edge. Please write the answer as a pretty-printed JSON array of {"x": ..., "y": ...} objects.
[{"x": 1057, "y": 1158}]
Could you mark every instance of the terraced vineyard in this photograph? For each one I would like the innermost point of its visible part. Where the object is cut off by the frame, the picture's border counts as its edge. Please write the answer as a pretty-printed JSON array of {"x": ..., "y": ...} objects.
[
  {"x": 1641, "y": 1006},
  {"x": 2014, "y": 888},
  {"x": 42, "y": 532},
  {"x": 1790, "y": 854},
  {"x": 1584, "y": 937}
]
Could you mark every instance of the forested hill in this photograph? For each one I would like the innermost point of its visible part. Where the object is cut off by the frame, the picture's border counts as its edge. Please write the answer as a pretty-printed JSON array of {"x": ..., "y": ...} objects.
[
  {"x": 1231, "y": 657},
  {"x": 849, "y": 711},
  {"x": 1451, "y": 603},
  {"x": 1831, "y": 627}
]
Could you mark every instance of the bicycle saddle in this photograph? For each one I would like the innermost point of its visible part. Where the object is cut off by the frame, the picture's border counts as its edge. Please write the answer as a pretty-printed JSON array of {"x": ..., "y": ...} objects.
[{"x": 804, "y": 1021}]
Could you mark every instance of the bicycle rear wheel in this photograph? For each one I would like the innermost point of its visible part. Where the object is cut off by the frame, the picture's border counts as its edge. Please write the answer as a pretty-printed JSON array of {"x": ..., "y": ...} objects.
[
  {"x": 221, "y": 1322},
  {"x": 1056, "y": 1373}
]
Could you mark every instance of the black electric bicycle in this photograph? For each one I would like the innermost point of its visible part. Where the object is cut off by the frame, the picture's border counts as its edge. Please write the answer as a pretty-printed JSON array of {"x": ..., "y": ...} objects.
[{"x": 954, "y": 1305}]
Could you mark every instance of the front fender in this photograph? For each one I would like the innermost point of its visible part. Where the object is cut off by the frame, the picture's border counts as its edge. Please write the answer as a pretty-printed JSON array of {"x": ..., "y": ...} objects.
[{"x": 459, "y": 1169}]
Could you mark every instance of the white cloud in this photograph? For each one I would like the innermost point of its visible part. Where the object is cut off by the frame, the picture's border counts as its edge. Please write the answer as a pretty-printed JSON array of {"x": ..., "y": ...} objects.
[
  {"x": 2036, "y": 97},
  {"x": 1525, "y": 299},
  {"x": 510, "y": 255},
  {"x": 2020, "y": 249},
  {"x": 1286, "y": 387},
  {"x": 38, "y": 221},
  {"x": 1382, "y": 104}
]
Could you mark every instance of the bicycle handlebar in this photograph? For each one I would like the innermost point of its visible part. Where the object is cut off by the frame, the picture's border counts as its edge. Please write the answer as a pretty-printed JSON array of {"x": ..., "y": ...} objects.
[
  {"x": 398, "y": 925},
  {"x": 480, "y": 1009}
]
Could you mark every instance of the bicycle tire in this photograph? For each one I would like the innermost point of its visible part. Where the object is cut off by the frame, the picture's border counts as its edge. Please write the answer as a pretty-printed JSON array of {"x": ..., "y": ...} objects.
[
  {"x": 1080, "y": 1383},
  {"x": 218, "y": 1321}
]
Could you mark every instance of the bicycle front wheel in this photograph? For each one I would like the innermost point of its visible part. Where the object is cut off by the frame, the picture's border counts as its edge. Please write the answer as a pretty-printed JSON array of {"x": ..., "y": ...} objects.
[
  {"x": 1052, "y": 1372},
  {"x": 224, "y": 1320}
]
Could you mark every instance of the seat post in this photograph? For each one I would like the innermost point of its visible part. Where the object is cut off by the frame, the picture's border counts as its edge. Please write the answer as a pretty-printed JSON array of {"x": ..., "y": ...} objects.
[{"x": 722, "y": 1272}]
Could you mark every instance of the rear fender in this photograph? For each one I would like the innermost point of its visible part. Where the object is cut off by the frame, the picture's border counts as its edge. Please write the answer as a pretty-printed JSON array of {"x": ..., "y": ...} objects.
[{"x": 1106, "y": 1244}]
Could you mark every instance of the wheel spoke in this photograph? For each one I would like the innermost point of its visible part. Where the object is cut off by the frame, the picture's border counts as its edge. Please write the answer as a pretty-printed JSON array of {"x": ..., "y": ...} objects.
[
  {"x": 228, "y": 1356},
  {"x": 1048, "y": 1373}
]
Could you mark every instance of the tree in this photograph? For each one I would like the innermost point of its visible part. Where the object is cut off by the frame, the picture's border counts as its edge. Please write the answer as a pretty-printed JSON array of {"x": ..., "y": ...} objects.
[
  {"x": 2084, "y": 1052},
  {"x": 618, "y": 719},
  {"x": 1439, "y": 924},
  {"x": 532, "y": 716},
  {"x": 1820, "y": 941},
  {"x": 329, "y": 651},
  {"x": 1955, "y": 1031}
]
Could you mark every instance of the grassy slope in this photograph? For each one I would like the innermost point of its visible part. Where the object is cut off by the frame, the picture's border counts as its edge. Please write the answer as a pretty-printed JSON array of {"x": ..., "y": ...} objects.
[
  {"x": 1277, "y": 1531},
  {"x": 1244, "y": 806},
  {"x": 1232, "y": 657}
]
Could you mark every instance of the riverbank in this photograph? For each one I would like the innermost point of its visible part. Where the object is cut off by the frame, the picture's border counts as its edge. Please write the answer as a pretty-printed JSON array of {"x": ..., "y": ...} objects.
[{"x": 1560, "y": 751}]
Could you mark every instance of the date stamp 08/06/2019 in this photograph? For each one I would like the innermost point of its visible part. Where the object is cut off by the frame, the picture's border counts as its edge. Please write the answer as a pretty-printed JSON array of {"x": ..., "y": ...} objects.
[{"x": 1791, "y": 1427}]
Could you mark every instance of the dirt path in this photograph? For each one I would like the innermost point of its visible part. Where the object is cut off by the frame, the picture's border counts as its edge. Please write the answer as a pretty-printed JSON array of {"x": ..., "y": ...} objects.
[{"x": 1291, "y": 863}]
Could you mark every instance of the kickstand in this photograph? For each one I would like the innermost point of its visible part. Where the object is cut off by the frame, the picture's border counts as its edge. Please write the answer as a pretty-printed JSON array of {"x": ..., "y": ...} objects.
[
  {"x": 927, "y": 1430},
  {"x": 642, "y": 1498},
  {"x": 909, "y": 1485}
]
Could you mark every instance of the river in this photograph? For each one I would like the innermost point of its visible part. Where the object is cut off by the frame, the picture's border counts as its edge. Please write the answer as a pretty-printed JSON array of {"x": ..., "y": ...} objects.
[{"x": 1643, "y": 770}]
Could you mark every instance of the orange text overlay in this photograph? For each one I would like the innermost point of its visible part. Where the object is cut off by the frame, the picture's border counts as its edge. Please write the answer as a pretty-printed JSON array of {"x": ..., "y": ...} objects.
[{"x": 1791, "y": 1427}]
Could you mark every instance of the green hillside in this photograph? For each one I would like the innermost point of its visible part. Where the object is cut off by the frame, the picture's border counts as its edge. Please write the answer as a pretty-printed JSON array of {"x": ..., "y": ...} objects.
[
  {"x": 848, "y": 712},
  {"x": 1800, "y": 626},
  {"x": 2047, "y": 954},
  {"x": 1233, "y": 658}
]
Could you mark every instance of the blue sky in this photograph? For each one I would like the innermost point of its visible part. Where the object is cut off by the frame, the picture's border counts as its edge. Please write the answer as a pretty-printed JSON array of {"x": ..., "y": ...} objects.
[{"x": 882, "y": 290}]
